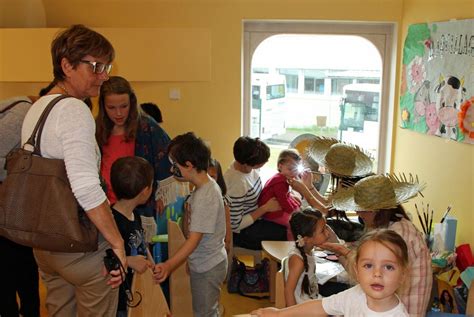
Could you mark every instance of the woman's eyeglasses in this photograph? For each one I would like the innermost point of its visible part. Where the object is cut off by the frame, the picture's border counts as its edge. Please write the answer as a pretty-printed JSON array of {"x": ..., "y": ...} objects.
[{"x": 97, "y": 67}]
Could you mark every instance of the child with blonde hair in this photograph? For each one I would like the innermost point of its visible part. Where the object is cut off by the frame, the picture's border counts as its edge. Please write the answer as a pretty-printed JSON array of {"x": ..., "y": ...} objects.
[
  {"x": 290, "y": 168},
  {"x": 379, "y": 265}
]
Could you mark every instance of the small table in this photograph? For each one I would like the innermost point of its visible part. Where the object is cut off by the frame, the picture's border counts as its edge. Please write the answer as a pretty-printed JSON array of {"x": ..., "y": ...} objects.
[{"x": 275, "y": 251}]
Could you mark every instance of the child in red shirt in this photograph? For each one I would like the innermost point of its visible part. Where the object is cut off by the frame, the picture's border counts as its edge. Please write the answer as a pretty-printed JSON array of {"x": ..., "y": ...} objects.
[{"x": 289, "y": 167}]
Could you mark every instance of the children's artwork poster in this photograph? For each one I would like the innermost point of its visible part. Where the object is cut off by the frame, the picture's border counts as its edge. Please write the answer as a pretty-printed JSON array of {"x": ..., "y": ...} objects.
[
  {"x": 173, "y": 194},
  {"x": 437, "y": 80}
]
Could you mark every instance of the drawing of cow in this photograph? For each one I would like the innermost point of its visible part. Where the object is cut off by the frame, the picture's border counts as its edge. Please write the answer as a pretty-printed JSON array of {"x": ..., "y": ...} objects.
[{"x": 450, "y": 95}]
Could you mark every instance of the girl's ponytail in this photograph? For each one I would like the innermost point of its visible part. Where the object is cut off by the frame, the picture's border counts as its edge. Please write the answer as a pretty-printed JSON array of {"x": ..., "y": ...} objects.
[
  {"x": 303, "y": 224},
  {"x": 305, "y": 283}
]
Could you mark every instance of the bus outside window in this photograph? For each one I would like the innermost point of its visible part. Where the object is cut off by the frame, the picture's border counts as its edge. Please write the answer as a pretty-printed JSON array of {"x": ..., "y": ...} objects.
[
  {"x": 360, "y": 111},
  {"x": 268, "y": 106}
]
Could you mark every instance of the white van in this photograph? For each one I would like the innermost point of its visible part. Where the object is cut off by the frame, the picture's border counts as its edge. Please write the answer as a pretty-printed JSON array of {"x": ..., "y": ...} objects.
[{"x": 268, "y": 105}]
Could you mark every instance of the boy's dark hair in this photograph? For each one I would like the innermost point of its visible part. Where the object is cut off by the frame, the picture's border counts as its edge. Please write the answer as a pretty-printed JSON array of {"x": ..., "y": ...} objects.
[
  {"x": 152, "y": 110},
  {"x": 130, "y": 175},
  {"x": 303, "y": 223},
  {"x": 188, "y": 147},
  {"x": 251, "y": 151},
  {"x": 220, "y": 177}
]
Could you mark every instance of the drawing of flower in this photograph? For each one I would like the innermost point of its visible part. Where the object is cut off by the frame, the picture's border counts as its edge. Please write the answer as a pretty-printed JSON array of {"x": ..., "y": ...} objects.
[{"x": 417, "y": 73}]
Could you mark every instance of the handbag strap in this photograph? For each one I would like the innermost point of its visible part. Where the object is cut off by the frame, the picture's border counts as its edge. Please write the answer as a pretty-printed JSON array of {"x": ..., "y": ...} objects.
[
  {"x": 34, "y": 141},
  {"x": 13, "y": 104}
]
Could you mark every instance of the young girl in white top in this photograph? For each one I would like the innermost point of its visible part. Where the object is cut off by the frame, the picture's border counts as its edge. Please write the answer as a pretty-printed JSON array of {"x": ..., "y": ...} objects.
[
  {"x": 310, "y": 230},
  {"x": 380, "y": 265}
]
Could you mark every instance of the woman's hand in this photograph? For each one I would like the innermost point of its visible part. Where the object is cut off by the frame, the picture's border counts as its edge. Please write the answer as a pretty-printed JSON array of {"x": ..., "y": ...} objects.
[
  {"x": 116, "y": 275},
  {"x": 265, "y": 312}
]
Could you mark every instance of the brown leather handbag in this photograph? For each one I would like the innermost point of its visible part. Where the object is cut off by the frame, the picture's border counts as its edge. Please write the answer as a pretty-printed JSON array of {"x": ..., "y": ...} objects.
[{"x": 37, "y": 206}]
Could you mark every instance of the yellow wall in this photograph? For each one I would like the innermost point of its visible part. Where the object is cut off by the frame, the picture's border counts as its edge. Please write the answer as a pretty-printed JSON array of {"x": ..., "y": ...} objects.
[
  {"x": 446, "y": 166},
  {"x": 212, "y": 108}
]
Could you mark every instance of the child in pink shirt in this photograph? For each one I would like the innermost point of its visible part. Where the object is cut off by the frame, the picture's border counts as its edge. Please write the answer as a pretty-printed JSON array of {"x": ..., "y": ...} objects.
[{"x": 289, "y": 167}]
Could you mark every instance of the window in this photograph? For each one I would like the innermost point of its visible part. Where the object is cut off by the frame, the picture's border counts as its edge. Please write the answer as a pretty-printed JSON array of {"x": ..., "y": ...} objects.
[
  {"x": 368, "y": 80},
  {"x": 313, "y": 85},
  {"x": 275, "y": 92},
  {"x": 314, "y": 81},
  {"x": 316, "y": 75},
  {"x": 291, "y": 76},
  {"x": 260, "y": 70},
  {"x": 337, "y": 85}
]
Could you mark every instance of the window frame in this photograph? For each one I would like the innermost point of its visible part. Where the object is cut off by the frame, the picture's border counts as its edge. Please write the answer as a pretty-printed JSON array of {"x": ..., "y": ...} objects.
[{"x": 383, "y": 35}]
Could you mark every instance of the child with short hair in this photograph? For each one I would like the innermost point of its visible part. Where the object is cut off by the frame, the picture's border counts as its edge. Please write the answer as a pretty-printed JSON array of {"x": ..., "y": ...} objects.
[
  {"x": 309, "y": 228},
  {"x": 380, "y": 265},
  {"x": 132, "y": 182},
  {"x": 204, "y": 248},
  {"x": 244, "y": 186},
  {"x": 215, "y": 171}
]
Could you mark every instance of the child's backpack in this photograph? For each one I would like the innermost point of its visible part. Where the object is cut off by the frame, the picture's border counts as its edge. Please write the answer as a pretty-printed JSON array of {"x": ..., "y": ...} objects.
[{"x": 246, "y": 280}]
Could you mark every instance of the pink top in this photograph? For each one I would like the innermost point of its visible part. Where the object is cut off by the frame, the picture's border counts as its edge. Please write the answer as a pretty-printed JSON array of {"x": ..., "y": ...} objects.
[
  {"x": 278, "y": 187},
  {"x": 416, "y": 295},
  {"x": 115, "y": 148}
]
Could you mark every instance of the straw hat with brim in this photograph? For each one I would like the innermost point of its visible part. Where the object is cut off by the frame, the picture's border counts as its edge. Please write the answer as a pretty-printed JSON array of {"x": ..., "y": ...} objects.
[
  {"x": 301, "y": 143},
  {"x": 339, "y": 158},
  {"x": 377, "y": 192}
]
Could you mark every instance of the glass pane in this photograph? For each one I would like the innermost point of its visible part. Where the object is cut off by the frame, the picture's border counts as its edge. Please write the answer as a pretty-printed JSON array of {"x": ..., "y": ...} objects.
[
  {"x": 312, "y": 86},
  {"x": 309, "y": 85}
]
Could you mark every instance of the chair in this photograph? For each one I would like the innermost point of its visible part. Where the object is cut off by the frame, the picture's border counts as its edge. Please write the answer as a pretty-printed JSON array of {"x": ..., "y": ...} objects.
[
  {"x": 153, "y": 300},
  {"x": 280, "y": 301},
  {"x": 238, "y": 251},
  {"x": 255, "y": 254},
  {"x": 180, "y": 285}
]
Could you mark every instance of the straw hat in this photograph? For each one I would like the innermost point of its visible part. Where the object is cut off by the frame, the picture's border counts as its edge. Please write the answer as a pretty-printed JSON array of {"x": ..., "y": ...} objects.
[
  {"x": 340, "y": 158},
  {"x": 377, "y": 192},
  {"x": 301, "y": 143}
]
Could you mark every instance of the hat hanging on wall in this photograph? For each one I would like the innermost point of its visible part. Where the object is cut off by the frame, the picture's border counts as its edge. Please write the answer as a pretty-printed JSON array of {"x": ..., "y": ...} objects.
[
  {"x": 339, "y": 158},
  {"x": 378, "y": 192}
]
